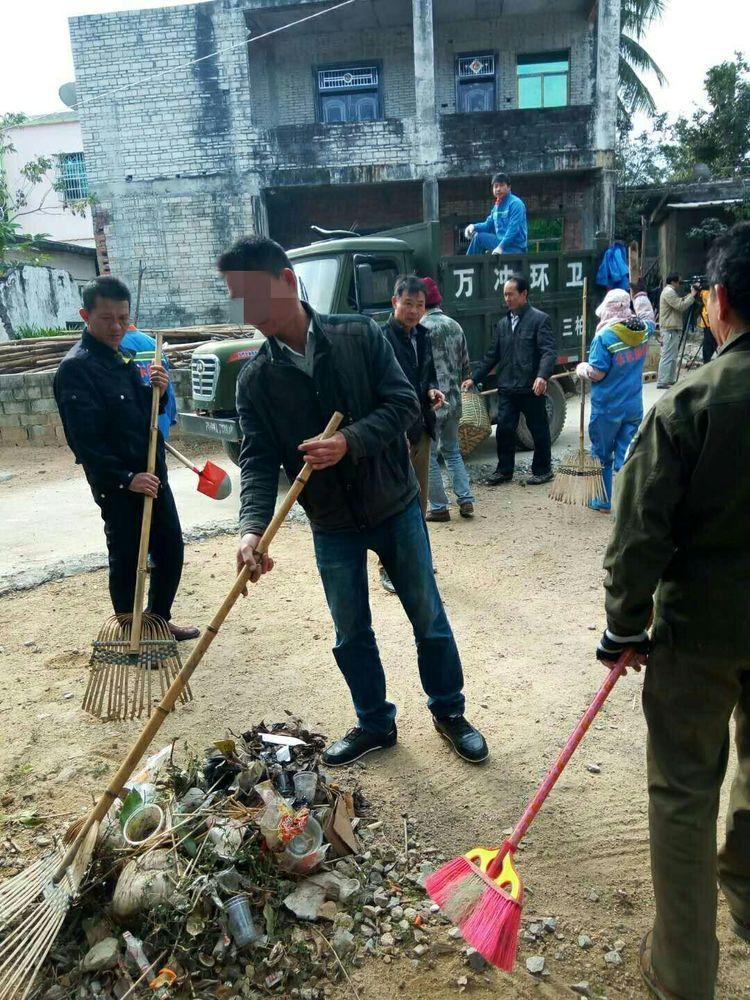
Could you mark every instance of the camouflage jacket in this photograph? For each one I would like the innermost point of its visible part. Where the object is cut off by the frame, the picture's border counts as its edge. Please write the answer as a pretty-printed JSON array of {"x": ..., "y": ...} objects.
[{"x": 451, "y": 357}]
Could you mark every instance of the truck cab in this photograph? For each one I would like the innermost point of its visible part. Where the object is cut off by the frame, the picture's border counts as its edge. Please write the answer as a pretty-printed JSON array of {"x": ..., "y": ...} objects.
[{"x": 356, "y": 274}]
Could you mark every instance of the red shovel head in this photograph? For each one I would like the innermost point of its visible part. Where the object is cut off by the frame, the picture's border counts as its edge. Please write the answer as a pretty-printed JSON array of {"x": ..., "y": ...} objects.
[{"x": 214, "y": 482}]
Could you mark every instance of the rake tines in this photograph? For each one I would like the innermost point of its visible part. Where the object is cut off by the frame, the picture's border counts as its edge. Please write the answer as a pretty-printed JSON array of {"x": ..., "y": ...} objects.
[
  {"x": 578, "y": 480},
  {"x": 32, "y": 911},
  {"x": 123, "y": 684}
]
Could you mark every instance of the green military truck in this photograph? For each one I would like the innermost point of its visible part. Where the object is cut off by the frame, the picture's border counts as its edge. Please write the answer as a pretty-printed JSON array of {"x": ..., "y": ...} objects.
[{"x": 347, "y": 273}]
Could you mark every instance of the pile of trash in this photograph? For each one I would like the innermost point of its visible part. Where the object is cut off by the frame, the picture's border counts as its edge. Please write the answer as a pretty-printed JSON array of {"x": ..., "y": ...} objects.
[{"x": 245, "y": 872}]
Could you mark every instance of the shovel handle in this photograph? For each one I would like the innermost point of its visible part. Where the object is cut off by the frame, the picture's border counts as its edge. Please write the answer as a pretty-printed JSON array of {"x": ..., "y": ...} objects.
[
  {"x": 181, "y": 458},
  {"x": 178, "y": 685}
]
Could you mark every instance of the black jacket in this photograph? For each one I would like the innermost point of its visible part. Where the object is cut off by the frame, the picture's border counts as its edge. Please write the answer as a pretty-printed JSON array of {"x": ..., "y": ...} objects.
[
  {"x": 106, "y": 410},
  {"x": 521, "y": 356},
  {"x": 420, "y": 371},
  {"x": 279, "y": 406}
]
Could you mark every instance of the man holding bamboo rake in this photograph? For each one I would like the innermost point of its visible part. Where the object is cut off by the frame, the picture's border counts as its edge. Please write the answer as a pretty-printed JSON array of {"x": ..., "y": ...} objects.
[
  {"x": 105, "y": 411},
  {"x": 363, "y": 496},
  {"x": 682, "y": 533}
]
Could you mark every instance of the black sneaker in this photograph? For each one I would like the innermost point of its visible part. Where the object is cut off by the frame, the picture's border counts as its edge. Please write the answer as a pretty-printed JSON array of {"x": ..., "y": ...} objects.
[
  {"x": 741, "y": 928},
  {"x": 355, "y": 744},
  {"x": 467, "y": 741},
  {"x": 498, "y": 478},
  {"x": 545, "y": 477}
]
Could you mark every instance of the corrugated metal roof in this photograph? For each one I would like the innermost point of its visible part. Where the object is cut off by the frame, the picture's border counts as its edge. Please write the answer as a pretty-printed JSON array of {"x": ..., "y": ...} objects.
[{"x": 704, "y": 204}]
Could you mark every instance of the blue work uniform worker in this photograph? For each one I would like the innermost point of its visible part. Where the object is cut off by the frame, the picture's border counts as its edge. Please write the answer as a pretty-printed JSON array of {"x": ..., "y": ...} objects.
[
  {"x": 617, "y": 356},
  {"x": 505, "y": 229}
]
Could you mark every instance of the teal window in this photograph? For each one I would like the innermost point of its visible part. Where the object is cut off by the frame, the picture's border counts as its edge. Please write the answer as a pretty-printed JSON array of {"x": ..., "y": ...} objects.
[
  {"x": 543, "y": 80},
  {"x": 72, "y": 176}
]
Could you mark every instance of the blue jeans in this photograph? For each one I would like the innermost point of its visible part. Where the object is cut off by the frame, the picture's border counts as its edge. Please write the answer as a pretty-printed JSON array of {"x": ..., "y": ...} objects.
[
  {"x": 446, "y": 444},
  {"x": 482, "y": 242},
  {"x": 403, "y": 546},
  {"x": 610, "y": 439}
]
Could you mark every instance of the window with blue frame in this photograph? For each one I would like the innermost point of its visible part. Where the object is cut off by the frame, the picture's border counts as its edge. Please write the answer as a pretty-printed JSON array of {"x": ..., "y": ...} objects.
[
  {"x": 71, "y": 174},
  {"x": 543, "y": 80},
  {"x": 350, "y": 93}
]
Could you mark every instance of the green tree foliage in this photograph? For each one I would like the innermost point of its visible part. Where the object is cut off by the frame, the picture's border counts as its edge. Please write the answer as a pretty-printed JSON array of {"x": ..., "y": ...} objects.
[
  {"x": 719, "y": 133},
  {"x": 14, "y": 202},
  {"x": 636, "y": 16}
]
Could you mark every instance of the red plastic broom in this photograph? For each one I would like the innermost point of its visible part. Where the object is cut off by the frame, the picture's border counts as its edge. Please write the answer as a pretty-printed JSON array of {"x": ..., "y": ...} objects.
[{"x": 481, "y": 892}]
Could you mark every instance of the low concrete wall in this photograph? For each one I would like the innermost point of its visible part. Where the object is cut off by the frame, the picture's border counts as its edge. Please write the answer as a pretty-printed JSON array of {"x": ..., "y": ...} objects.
[
  {"x": 36, "y": 296},
  {"x": 28, "y": 412}
]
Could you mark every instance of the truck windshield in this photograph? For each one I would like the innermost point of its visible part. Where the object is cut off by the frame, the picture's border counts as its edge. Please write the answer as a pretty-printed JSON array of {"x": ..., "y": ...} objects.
[{"x": 317, "y": 278}]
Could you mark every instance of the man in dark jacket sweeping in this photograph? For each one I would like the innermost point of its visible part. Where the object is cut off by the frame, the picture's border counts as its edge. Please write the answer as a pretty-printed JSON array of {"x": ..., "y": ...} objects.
[
  {"x": 523, "y": 354},
  {"x": 362, "y": 496},
  {"x": 681, "y": 546},
  {"x": 106, "y": 411}
]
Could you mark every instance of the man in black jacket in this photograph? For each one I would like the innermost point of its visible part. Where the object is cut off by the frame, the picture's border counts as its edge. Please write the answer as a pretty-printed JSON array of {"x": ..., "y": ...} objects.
[
  {"x": 524, "y": 355},
  {"x": 106, "y": 411},
  {"x": 413, "y": 349},
  {"x": 362, "y": 496}
]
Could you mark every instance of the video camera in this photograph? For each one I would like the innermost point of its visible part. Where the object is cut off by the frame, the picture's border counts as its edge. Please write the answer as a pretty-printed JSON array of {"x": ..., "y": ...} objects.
[{"x": 701, "y": 280}]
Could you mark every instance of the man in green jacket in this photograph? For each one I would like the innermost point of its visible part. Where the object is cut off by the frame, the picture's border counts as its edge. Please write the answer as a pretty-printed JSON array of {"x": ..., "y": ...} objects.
[{"x": 680, "y": 549}]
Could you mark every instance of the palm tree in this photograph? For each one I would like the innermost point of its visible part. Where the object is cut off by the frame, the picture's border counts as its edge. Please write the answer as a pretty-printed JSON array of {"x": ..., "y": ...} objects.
[{"x": 636, "y": 16}]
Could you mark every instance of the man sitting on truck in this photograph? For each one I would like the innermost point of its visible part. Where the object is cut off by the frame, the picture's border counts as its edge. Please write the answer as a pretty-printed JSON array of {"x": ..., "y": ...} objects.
[
  {"x": 363, "y": 495},
  {"x": 505, "y": 229},
  {"x": 523, "y": 356}
]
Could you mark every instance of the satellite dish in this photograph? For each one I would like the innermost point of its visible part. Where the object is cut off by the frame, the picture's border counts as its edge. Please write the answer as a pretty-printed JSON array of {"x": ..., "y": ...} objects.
[{"x": 68, "y": 95}]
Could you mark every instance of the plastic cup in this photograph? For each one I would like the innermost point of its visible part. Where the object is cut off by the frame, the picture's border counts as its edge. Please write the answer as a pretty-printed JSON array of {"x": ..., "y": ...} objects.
[
  {"x": 305, "y": 786},
  {"x": 145, "y": 822},
  {"x": 240, "y": 918}
]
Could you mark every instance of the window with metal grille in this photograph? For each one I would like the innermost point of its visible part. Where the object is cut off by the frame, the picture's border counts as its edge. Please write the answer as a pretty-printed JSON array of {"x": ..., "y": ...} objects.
[
  {"x": 72, "y": 176},
  {"x": 349, "y": 93},
  {"x": 543, "y": 80},
  {"x": 475, "y": 82}
]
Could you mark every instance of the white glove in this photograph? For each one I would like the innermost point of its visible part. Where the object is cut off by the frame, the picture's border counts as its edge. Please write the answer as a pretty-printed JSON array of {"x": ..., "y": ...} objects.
[
  {"x": 498, "y": 250},
  {"x": 469, "y": 231},
  {"x": 584, "y": 370}
]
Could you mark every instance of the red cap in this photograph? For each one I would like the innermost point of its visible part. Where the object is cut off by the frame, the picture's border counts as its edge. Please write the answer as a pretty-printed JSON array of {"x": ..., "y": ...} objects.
[{"x": 434, "y": 298}]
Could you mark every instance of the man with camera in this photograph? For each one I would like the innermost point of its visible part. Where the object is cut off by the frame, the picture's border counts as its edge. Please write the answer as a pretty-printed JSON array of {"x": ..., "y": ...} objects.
[{"x": 672, "y": 309}]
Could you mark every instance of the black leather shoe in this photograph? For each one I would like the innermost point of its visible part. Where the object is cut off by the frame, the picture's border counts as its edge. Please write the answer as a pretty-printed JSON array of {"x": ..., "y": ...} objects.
[
  {"x": 546, "y": 477},
  {"x": 182, "y": 632},
  {"x": 355, "y": 744},
  {"x": 467, "y": 741},
  {"x": 498, "y": 478}
]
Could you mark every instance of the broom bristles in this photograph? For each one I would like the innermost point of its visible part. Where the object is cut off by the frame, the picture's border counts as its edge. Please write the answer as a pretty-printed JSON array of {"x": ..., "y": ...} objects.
[
  {"x": 488, "y": 918},
  {"x": 578, "y": 480}
]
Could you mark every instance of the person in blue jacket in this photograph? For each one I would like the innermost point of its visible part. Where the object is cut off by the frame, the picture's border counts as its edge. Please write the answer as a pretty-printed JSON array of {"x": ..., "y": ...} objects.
[
  {"x": 615, "y": 369},
  {"x": 505, "y": 229},
  {"x": 137, "y": 343}
]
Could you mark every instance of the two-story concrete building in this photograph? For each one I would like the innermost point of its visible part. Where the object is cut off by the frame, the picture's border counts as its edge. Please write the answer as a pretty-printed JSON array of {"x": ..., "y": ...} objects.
[{"x": 205, "y": 122}]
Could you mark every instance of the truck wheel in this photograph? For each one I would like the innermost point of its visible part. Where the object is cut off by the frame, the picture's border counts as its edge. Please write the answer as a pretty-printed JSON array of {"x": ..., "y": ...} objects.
[
  {"x": 557, "y": 407},
  {"x": 232, "y": 448}
]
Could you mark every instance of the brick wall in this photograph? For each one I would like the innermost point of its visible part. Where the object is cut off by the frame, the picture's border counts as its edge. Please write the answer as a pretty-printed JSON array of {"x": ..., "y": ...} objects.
[
  {"x": 28, "y": 412},
  {"x": 509, "y": 37},
  {"x": 282, "y": 72}
]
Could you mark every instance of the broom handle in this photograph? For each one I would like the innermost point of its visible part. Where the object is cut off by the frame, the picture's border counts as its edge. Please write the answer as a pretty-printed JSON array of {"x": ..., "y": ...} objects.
[
  {"x": 582, "y": 427},
  {"x": 538, "y": 798},
  {"x": 180, "y": 682},
  {"x": 148, "y": 506},
  {"x": 181, "y": 458}
]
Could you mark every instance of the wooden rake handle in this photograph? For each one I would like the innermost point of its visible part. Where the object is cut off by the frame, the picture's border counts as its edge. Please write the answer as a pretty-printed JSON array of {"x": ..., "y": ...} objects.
[
  {"x": 178, "y": 685},
  {"x": 148, "y": 506},
  {"x": 539, "y": 797}
]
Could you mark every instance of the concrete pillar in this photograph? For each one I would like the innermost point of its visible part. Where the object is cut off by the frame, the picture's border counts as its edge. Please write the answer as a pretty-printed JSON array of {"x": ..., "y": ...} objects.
[
  {"x": 604, "y": 131},
  {"x": 427, "y": 142},
  {"x": 430, "y": 200}
]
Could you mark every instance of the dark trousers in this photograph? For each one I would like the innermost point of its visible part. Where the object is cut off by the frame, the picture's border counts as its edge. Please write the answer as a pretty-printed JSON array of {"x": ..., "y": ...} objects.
[
  {"x": 403, "y": 545},
  {"x": 122, "y": 513},
  {"x": 510, "y": 406},
  {"x": 689, "y": 696}
]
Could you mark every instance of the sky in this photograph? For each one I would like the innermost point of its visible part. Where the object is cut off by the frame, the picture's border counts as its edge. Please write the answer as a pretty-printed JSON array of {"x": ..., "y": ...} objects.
[{"x": 35, "y": 57}]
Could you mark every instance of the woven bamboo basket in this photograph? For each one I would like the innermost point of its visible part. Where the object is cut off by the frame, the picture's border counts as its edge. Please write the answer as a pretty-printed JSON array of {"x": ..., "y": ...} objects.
[{"x": 474, "y": 425}]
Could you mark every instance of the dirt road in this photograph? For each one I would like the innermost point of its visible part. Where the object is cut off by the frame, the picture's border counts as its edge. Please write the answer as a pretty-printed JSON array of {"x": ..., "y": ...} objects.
[{"x": 522, "y": 583}]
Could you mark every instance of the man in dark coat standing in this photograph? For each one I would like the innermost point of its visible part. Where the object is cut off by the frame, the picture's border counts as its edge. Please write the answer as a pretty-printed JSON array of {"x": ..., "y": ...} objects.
[{"x": 523, "y": 355}]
